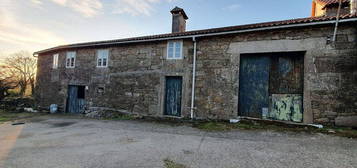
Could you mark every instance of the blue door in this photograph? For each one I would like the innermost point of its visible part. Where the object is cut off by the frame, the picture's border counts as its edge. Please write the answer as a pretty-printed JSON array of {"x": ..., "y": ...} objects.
[
  {"x": 254, "y": 85},
  {"x": 76, "y": 99},
  {"x": 173, "y": 96}
]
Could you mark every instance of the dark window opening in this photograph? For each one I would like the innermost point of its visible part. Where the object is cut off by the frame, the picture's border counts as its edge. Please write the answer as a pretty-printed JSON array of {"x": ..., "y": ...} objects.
[
  {"x": 99, "y": 62},
  {"x": 104, "y": 62},
  {"x": 72, "y": 62}
]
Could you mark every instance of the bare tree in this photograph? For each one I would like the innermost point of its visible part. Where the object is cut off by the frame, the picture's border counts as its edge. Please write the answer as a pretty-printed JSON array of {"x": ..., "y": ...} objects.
[
  {"x": 7, "y": 82},
  {"x": 23, "y": 67}
]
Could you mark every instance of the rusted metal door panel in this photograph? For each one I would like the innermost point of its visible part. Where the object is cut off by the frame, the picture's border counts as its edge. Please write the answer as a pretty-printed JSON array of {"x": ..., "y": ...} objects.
[
  {"x": 253, "y": 85},
  {"x": 173, "y": 95},
  {"x": 75, "y": 99},
  {"x": 287, "y": 73},
  {"x": 286, "y": 107},
  {"x": 286, "y": 86}
]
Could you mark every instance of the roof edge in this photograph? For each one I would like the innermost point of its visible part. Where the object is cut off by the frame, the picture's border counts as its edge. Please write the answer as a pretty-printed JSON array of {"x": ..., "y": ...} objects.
[{"x": 186, "y": 35}]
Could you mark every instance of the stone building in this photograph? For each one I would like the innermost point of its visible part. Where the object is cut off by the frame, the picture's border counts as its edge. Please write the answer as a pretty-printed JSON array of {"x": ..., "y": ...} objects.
[{"x": 288, "y": 70}]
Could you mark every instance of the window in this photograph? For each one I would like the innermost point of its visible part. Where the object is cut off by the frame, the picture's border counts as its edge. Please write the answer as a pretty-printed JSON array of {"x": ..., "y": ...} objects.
[
  {"x": 71, "y": 60},
  {"x": 102, "y": 58},
  {"x": 174, "y": 50},
  {"x": 55, "y": 61}
]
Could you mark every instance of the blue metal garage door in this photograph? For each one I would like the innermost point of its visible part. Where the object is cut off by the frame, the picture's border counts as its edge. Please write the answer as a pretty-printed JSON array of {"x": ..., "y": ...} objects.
[{"x": 253, "y": 85}]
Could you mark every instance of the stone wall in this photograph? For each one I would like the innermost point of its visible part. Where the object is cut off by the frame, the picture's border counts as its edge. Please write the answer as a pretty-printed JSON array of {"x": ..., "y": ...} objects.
[{"x": 134, "y": 81}]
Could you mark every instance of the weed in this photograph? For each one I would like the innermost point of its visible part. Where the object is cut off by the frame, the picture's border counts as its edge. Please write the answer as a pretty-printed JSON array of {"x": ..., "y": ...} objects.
[
  {"x": 12, "y": 116},
  {"x": 274, "y": 126},
  {"x": 213, "y": 126},
  {"x": 171, "y": 164},
  {"x": 122, "y": 117}
]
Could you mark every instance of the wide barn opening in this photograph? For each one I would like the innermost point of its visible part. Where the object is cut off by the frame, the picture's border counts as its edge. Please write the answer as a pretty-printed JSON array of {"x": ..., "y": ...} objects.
[{"x": 271, "y": 86}]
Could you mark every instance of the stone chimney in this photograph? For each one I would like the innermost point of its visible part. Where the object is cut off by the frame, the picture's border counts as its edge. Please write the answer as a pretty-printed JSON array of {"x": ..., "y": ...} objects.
[
  {"x": 353, "y": 7},
  {"x": 179, "y": 18}
]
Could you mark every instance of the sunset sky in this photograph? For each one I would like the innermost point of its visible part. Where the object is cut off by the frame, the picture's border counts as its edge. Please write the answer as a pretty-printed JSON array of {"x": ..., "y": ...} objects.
[{"x": 38, "y": 24}]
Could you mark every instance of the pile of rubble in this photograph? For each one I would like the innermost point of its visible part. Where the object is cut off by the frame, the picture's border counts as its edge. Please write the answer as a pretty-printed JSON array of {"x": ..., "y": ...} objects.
[
  {"x": 100, "y": 113},
  {"x": 18, "y": 105}
]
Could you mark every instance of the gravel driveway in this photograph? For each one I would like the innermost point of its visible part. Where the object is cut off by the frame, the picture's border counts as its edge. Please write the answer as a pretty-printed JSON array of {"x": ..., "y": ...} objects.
[{"x": 64, "y": 142}]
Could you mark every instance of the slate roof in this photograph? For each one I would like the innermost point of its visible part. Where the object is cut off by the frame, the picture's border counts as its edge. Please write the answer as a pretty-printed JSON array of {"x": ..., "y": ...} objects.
[{"x": 202, "y": 32}]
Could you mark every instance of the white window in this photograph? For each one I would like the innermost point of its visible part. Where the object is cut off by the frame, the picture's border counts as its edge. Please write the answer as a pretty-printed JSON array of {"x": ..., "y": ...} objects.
[
  {"x": 71, "y": 60},
  {"x": 174, "y": 50},
  {"x": 102, "y": 58},
  {"x": 55, "y": 61}
]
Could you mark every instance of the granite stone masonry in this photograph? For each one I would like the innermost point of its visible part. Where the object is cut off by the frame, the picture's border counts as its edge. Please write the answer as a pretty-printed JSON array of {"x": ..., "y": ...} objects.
[
  {"x": 134, "y": 80},
  {"x": 152, "y": 75}
]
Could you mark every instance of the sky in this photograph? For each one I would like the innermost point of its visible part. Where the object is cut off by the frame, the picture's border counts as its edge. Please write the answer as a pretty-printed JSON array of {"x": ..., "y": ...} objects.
[{"x": 34, "y": 25}]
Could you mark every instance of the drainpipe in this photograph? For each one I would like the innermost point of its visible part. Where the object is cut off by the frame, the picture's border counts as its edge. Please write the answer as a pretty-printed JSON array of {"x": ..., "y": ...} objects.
[
  {"x": 337, "y": 20},
  {"x": 193, "y": 76}
]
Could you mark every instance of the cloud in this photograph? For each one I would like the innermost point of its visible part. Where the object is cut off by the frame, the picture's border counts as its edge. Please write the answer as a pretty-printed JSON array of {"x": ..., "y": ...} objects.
[
  {"x": 136, "y": 7},
  {"x": 232, "y": 7},
  {"x": 36, "y": 1},
  {"x": 90, "y": 8},
  {"x": 15, "y": 35},
  {"x": 60, "y": 2},
  {"x": 87, "y": 8}
]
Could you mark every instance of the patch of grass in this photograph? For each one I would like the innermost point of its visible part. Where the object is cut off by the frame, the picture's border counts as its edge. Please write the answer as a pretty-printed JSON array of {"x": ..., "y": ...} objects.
[
  {"x": 213, "y": 126},
  {"x": 171, "y": 164},
  {"x": 225, "y": 126},
  {"x": 124, "y": 117},
  {"x": 4, "y": 119},
  {"x": 273, "y": 126},
  {"x": 121, "y": 117},
  {"x": 340, "y": 131},
  {"x": 12, "y": 116}
]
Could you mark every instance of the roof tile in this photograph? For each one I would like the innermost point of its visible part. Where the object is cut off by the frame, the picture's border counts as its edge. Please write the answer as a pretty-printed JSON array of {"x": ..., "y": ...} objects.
[{"x": 204, "y": 31}]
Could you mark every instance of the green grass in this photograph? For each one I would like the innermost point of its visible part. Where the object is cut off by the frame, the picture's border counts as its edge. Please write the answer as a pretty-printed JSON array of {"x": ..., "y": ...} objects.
[
  {"x": 225, "y": 126},
  {"x": 273, "y": 126},
  {"x": 12, "y": 116},
  {"x": 171, "y": 164},
  {"x": 219, "y": 126},
  {"x": 123, "y": 117},
  {"x": 339, "y": 131},
  {"x": 214, "y": 126},
  {"x": 120, "y": 117}
]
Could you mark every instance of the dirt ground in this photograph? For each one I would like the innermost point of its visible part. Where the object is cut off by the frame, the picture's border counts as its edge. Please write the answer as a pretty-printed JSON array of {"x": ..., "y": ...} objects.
[{"x": 70, "y": 142}]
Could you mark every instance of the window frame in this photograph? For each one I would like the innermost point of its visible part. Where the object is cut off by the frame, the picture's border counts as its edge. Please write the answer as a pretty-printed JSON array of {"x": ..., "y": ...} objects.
[
  {"x": 70, "y": 59},
  {"x": 174, "y": 50},
  {"x": 107, "y": 58},
  {"x": 55, "y": 61}
]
